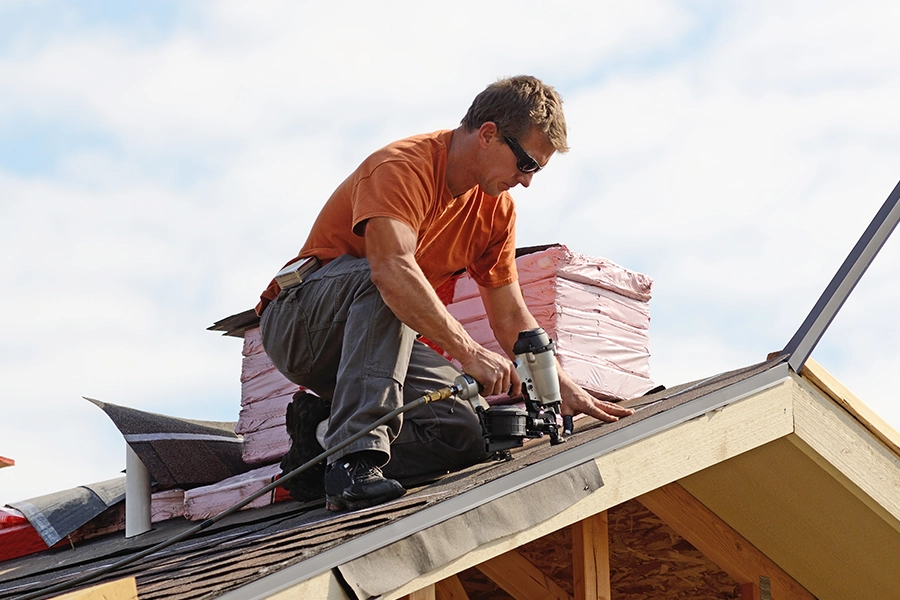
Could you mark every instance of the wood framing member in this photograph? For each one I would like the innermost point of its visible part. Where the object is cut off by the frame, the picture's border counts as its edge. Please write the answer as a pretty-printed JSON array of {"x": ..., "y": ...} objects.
[
  {"x": 719, "y": 542},
  {"x": 750, "y": 591},
  {"x": 324, "y": 586},
  {"x": 121, "y": 589},
  {"x": 521, "y": 579},
  {"x": 450, "y": 589},
  {"x": 834, "y": 389},
  {"x": 590, "y": 558},
  {"x": 426, "y": 593}
]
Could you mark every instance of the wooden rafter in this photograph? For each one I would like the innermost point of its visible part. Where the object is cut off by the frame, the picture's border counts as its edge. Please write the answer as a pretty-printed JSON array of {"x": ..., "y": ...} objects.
[
  {"x": 521, "y": 579},
  {"x": 720, "y": 543},
  {"x": 426, "y": 593},
  {"x": 450, "y": 589},
  {"x": 590, "y": 558}
]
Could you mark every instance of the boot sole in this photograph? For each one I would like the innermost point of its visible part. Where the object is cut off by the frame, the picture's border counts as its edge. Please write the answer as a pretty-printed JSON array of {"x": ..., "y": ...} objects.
[{"x": 342, "y": 503}]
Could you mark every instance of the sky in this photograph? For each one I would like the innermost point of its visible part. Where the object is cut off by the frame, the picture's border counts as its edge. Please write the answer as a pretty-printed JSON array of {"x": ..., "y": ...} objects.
[{"x": 160, "y": 161}]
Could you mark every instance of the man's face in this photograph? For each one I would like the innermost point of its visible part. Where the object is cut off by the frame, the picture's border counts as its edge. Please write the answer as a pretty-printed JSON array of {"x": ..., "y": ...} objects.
[{"x": 502, "y": 163}]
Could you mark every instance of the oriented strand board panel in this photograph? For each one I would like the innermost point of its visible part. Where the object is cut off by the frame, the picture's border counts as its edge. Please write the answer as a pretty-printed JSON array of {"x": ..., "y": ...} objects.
[{"x": 805, "y": 520}]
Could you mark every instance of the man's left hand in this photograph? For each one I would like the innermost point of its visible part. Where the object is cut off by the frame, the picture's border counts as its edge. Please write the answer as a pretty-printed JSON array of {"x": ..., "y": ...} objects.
[{"x": 576, "y": 401}]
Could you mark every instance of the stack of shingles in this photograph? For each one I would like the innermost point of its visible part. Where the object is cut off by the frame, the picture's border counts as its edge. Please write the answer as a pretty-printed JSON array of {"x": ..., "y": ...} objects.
[{"x": 595, "y": 310}]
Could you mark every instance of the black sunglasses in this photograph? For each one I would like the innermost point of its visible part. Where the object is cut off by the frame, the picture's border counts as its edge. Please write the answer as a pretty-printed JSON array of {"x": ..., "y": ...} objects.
[{"x": 524, "y": 161}]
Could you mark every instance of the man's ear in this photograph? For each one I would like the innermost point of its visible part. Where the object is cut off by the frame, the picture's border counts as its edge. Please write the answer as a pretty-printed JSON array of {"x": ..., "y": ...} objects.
[{"x": 487, "y": 132}]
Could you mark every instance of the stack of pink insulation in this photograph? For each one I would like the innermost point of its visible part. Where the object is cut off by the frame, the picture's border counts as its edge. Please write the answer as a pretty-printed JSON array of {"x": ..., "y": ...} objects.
[
  {"x": 595, "y": 310},
  {"x": 265, "y": 395}
]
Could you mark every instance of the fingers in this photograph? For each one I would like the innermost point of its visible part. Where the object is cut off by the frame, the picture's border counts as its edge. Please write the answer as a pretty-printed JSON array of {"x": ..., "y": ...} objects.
[
  {"x": 494, "y": 372},
  {"x": 599, "y": 409},
  {"x": 609, "y": 412},
  {"x": 499, "y": 379}
]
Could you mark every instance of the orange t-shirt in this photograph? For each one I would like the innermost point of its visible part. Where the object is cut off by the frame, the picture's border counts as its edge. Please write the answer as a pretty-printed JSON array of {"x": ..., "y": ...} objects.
[{"x": 406, "y": 181}]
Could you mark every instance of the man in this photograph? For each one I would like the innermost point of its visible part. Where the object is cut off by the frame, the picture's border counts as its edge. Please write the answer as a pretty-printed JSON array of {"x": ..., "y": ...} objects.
[{"x": 411, "y": 215}]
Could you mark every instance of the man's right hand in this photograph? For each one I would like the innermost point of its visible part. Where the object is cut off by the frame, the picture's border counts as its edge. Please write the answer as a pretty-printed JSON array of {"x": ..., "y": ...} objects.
[{"x": 496, "y": 373}]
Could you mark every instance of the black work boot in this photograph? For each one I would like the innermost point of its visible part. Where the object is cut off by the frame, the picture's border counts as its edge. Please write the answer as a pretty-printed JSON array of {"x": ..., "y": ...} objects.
[
  {"x": 304, "y": 413},
  {"x": 355, "y": 482}
]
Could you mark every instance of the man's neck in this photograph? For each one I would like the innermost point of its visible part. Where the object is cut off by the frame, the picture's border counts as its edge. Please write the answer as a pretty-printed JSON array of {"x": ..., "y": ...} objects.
[{"x": 460, "y": 161}]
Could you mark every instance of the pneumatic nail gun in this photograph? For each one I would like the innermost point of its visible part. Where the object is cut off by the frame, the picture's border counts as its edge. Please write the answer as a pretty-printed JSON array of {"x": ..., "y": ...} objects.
[{"x": 506, "y": 427}]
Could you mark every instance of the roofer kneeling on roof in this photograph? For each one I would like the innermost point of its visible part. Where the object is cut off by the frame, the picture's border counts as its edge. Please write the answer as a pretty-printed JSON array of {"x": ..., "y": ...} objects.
[{"x": 409, "y": 217}]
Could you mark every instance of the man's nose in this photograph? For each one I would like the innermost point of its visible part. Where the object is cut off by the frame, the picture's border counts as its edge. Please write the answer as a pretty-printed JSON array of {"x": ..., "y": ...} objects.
[{"x": 525, "y": 179}]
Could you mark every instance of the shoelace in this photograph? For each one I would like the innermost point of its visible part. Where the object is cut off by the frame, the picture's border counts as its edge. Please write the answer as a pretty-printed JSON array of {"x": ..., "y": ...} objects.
[{"x": 364, "y": 470}]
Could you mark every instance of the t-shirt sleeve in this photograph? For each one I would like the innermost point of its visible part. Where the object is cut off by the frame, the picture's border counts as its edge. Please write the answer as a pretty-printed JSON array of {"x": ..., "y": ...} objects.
[{"x": 393, "y": 189}]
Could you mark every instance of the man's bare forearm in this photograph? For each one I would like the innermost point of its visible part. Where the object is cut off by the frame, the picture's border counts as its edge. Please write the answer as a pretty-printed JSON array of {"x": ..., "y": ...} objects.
[
  {"x": 390, "y": 248},
  {"x": 408, "y": 294}
]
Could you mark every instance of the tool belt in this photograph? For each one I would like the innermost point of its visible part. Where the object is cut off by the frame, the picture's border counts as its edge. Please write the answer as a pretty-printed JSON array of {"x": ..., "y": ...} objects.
[{"x": 296, "y": 272}]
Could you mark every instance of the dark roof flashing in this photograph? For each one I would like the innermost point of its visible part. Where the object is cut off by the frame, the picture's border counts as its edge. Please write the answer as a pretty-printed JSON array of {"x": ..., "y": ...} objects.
[{"x": 854, "y": 267}]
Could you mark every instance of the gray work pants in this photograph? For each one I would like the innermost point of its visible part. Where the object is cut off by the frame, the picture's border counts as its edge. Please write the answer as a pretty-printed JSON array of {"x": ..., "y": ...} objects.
[{"x": 334, "y": 334}]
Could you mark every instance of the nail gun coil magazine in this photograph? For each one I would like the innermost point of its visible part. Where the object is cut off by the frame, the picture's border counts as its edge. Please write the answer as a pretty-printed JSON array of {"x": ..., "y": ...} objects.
[{"x": 296, "y": 272}]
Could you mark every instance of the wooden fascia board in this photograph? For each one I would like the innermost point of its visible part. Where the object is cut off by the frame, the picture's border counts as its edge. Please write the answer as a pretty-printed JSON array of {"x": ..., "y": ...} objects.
[
  {"x": 834, "y": 389},
  {"x": 121, "y": 589},
  {"x": 323, "y": 586},
  {"x": 848, "y": 451},
  {"x": 627, "y": 472},
  {"x": 718, "y": 541}
]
